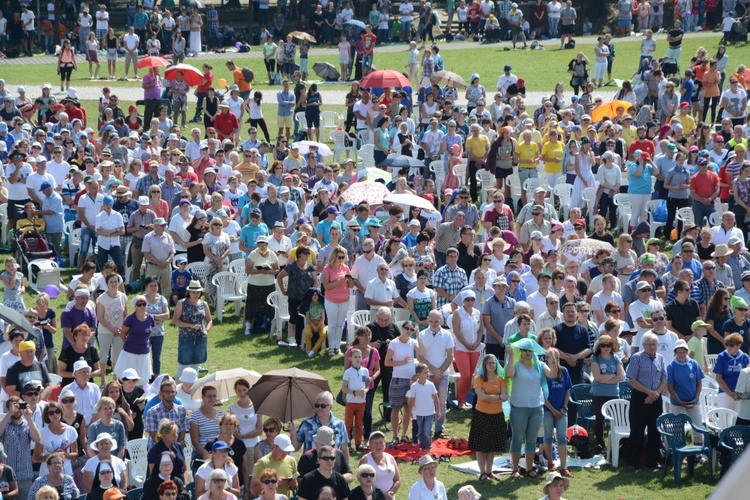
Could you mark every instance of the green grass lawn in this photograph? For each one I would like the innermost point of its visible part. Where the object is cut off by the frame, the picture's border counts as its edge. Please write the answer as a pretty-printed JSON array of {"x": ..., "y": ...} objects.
[
  {"x": 541, "y": 69},
  {"x": 228, "y": 347}
]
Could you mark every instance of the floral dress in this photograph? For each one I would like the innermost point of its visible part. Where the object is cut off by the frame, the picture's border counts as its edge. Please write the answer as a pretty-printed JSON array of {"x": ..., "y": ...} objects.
[
  {"x": 192, "y": 345},
  {"x": 12, "y": 297}
]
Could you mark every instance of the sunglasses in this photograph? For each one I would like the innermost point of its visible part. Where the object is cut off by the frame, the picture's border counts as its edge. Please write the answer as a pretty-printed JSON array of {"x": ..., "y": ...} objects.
[
  {"x": 269, "y": 481},
  {"x": 660, "y": 318},
  {"x": 218, "y": 480},
  {"x": 614, "y": 311},
  {"x": 269, "y": 429},
  {"x": 140, "y": 304},
  {"x": 741, "y": 309},
  {"x": 470, "y": 299},
  {"x": 525, "y": 350},
  {"x": 31, "y": 393},
  {"x": 319, "y": 405},
  {"x": 328, "y": 459},
  {"x": 54, "y": 412},
  {"x": 606, "y": 345},
  {"x": 367, "y": 474},
  {"x": 67, "y": 401}
]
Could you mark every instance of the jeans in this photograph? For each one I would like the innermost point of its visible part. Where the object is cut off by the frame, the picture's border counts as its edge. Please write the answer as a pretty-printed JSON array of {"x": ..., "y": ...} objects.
[
  {"x": 336, "y": 314},
  {"x": 559, "y": 426},
  {"x": 607, "y": 205},
  {"x": 199, "y": 105},
  {"x": 192, "y": 350},
  {"x": 405, "y": 32},
  {"x": 367, "y": 63},
  {"x": 116, "y": 254},
  {"x": 467, "y": 363},
  {"x": 701, "y": 211},
  {"x": 214, "y": 39},
  {"x": 525, "y": 423},
  {"x": 157, "y": 341},
  {"x": 424, "y": 424},
  {"x": 552, "y": 24},
  {"x": 88, "y": 237},
  {"x": 442, "y": 389},
  {"x": 83, "y": 35}
]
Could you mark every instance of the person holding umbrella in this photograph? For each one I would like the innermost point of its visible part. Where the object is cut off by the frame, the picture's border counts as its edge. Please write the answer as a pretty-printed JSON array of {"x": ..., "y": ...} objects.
[
  {"x": 151, "y": 93},
  {"x": 179, "y": 98}
]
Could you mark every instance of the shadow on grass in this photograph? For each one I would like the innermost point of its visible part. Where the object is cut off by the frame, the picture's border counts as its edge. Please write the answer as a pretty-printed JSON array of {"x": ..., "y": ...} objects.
[{"x": 652, "y": 479}]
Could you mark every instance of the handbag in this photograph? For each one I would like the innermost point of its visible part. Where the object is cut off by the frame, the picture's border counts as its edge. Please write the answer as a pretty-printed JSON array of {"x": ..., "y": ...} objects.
[{"x": 340, "y": 396}]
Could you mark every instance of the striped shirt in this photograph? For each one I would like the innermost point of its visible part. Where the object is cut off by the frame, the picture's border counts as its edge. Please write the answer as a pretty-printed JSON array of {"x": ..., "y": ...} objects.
[
  {"x": 648, "y": 371},
  {"x": 156, "y": 413},
  {"x": 208, "y": 428},
  {"x": 450, "y": 280},
  {"x": 447, "y": 236}
]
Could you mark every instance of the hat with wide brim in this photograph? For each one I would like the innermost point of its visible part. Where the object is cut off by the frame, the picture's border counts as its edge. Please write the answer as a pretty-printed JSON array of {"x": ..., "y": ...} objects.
[
  {"x": 721, "y": 250},
  {"x": 195, "y": 286},
  {"x": 104, "y": 436},
  {"x": 498, "y": 241},
  {"x": 425, "y": 461},
  {"x": 551, "y": 477}
]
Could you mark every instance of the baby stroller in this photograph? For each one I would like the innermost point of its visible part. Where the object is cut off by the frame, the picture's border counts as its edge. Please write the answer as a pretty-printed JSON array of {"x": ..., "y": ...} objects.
[
  {"x": 669, "y": 67},
  {"x": 36, "y": 258}
]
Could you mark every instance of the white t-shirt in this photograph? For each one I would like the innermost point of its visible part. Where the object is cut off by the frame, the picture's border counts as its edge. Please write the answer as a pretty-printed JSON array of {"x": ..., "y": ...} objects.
[
  {"x": 35, "y": 181},
  {"x": 599, "y": 301},
  {"x": 356, "y": 379},
  {"x": 53, "y": 442},
  {"x": 406, "y": 10},
  {"x": 424, "y": 404},
  {"x": 666, "y": 345},
  {"x": 132, "y": 179},
  {"x": 179, "y": 226},
  {"x": 17, "y": 191},
  {"x": 58, "y": 170},
  {"x": 91, "y": 206},
  {"x": 27, "y": 17},
  {"x": 7, "y": 360},
  {"x": 363, "y": 109},
  {"x": 205, "y": 469},
  {"x": 102, "y": 20},
  {"x": 727, "y": 23},
  {"x": 85, "y": 21},
  {"x": 3, "y": 26},
  {"x": 400, "y": 352},
  {"x": 638, "y": 310},
  {"x": 734, "y": 102}
]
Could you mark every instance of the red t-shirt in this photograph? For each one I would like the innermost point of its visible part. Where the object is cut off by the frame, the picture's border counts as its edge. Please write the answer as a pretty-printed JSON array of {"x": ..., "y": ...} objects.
[
  {"x": 503, "y": 220},
  {"x": 209, "y": 81},
  {"x": 704, "y": 185},
  {"x": 369, "y": 42},
  {"x": 645, "y": 146},
  {"x": 226, "y": 123}
]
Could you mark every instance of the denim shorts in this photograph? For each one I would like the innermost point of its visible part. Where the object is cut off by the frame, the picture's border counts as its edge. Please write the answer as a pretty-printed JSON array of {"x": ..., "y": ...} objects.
[{"x": 192, "y": 350}]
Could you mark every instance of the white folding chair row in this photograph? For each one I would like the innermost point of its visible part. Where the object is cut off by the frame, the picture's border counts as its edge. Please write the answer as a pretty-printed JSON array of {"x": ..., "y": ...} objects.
[
  {"x": 709, "y": 401},
  {"x": 138, "y": 461},
  {"x": 715, "y": 218},
  {"x": 588, "y": 195},
  {"x": 198, "y": 271},
  {"x": 367, "y": 152},
  {"x": 718, "y": 419},
  {"x": 710, "y": 363},
  {"x": 280, "y": 305},
  {"x": 460, "y": 172},
  {"x": 329, "y": 120},
  {"x": 301, "y": 120},
  {"x": 685, "y": 215},
  {"x": 529, "y": 185},
  {"x": 513, "y": 181}
]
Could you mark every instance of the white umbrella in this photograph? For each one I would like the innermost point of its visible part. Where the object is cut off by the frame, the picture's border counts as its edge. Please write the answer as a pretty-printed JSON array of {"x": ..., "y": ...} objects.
[
  {"x": 407, "y": 200},
  {"x": 324, "y": 150},
  {"x": 223, "y": 381}
]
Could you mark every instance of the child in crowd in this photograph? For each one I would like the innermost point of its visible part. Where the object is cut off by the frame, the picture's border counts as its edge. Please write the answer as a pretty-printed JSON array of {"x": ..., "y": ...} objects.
[
  {"x": 14, "y": 289},
  {"x": 355, "y": 389},
  {"x": 180, "y": 279},
  {"x": 315, "y": 323},
  {"x": 695, "y": 344},
  {"x": 424, "y": 405}
]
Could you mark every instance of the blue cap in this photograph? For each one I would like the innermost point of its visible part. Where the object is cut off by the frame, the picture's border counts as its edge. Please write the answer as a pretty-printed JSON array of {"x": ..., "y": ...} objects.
[
  {"x": 507, "y": 67},
  {"x": 219, "y": 445},
  {"x": 346, "y": 206},
  {"x": 703, "y": 152},
  {"x": 574, "y": 98},
  {"x": 108, "y": 201},
  {"x": 3, "y": 127},
  {"x": 180, "y": 260},
  {"x": 45, "y": 185}
]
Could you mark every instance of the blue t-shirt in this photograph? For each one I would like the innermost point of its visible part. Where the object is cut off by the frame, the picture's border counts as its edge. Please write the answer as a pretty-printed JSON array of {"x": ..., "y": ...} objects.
[
  {"x": 642, "y": 184},
  {"x": 324, "y": 229},
  {"x": 729, "y": 367},
  {"x": 730, "y": 326},
  {"x": 180, "y": 281},
  {"x": 557, "y": 389},
  {"x": 683, "y": 377},
  {"x": 606, "y": 367},
  {"x": 249, "y": 235},
  {"x": 687, "y": 97}
]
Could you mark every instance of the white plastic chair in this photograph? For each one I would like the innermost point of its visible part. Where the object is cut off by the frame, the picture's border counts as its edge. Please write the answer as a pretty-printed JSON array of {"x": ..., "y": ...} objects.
[
  {"x": 709, "y": 401},
  {"x": 460, "y": 172},
  {"x": 237, "y": 267},
  {"x": 329, "y": 120},
  {"x": 4, "y": 222},
  {"x": 710, "y": 383},
  {"x": 616, "y": 411},
  {"x": 367, "y": 152},
  {"x": 685, "y": 215},
  {"x": 529, "y": 185},
  {"x": 486, "y": 181},
  {"x": 188, "y": 449},
  {"x": 280, "y": 305},
  {"x": 710, "y": 363},
  {"x": 651, "y": 206},
  {"x": 513, "y": 181},
  {"x": 338, "y": 137},
  {"x": 437, "y": 168},
  {"x": 715, "y": 218},
  {"x": 360, "y": 318},
  {"x": 301, "y": 120},
  {"x": 588, "y": 195},
  {"x": 138, "y": 461},
  {"x": 74, "y": 244},
  {"x": 719, "y": 419},
  {"x": 198, "y": 271},
  {"x": 226, "y": 291},
  {"x": 622, "y": 202},
  {"x": 563, "y": 191}
]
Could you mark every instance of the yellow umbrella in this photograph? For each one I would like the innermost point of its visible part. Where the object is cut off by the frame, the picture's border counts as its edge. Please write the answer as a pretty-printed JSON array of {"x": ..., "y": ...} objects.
[{"x": 608, "y": 109}]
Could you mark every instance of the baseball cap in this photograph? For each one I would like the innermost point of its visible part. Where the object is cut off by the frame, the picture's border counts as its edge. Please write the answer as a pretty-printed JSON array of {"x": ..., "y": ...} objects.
[{"x": 284, "y": 443}]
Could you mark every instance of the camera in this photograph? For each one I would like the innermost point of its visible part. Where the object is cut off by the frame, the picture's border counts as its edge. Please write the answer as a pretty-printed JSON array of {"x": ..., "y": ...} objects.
[{"x": 23, "y": 406}]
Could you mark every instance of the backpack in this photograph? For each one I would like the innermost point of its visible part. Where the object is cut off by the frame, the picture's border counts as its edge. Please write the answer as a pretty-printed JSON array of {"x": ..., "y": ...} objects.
[
  {"x": 248, "y": 74},
  {"x": 579, "y": 439}
]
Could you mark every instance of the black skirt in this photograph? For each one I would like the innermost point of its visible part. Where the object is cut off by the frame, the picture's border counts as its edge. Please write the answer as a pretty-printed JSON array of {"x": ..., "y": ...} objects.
[{"x": 488, "y": 433}]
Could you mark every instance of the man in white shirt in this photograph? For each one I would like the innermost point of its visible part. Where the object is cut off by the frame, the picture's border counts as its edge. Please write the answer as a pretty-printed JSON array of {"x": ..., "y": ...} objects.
[
  {"x": 406, "y": 9},
  {"x": 86, "y": 393},
  {"x": 667, "y": 338},
  {"x": 193, "y": 148},
  {"x": 641, "y": 309},
  {"x": 538, "y": 300},
  {"x": 536, "y": 262},
  {"x": 279, "y": 243},
  {"x": 102, "y": 24},
  {"x": 436, "y": 351},
  {"x": 362, "y": 111},
  {"x": 35, "y": 180},
  {"x": 130, "y": 43},
  {"x": 364, "y": 270},
  {"x": 506, "y": 80},
  {"x": 109, "y": 227},
  {"x": 552, "y": 316},
  {"x": 27, "y": 19},
  {"x": 726, "y": 230},
  {"x": 608, "y": 293},
  {"x": 58, "y": 167},
  {"x": 381, "y": 290}
]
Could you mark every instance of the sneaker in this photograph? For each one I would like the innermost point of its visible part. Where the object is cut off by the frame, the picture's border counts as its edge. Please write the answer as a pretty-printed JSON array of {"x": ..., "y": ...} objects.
[
  {"x": 337, "y": 351},
  {"x": 248, "y": 330},
  {"x": 292, "y": 343},
  {"x": 331, "y": 352},
  {"x": 311, "y": 354}
]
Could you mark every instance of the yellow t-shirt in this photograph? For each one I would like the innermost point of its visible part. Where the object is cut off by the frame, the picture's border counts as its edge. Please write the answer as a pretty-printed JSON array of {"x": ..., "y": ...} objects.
[
  {"x": 285, "y": 468},
  {"x": 553, "y": 150},
  {"x": 688, "y": 124},
  {"x": 630, "y": 134},
  {"x": 478, "y": 145},
  {"x": 526, "y": 154}
]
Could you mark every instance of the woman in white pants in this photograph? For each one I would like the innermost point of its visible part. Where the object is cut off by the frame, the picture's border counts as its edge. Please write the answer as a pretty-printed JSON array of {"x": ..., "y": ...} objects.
[
  {"x": 337, "y": 281},
  {"x": 600, "y": 65}
]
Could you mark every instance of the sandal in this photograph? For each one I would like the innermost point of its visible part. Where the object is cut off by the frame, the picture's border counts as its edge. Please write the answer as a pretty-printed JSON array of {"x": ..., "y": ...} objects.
[
  {"x": 483, "y": 477},
  {"x": 515, "y": 475},
  {"x": 552, "y": 468},
  {"x": 564, "y": 472},
  {"x": 532, "y": 474}
]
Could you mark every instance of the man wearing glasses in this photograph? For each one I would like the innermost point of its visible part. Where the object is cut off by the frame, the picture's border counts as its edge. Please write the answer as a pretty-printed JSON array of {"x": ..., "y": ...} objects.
[
  {"x": 471, "y": 215},
  {"x": 166, "y": 408},
  {"x": 525, "y": 215},
  {"x": 496, "y": 313},
  {"x": 640, "y": 311},
  {"x": 666, "y": 337},
  {"x": 304, "y": 436},
  {"x": 364, "y": 270},
  {"x": 536, "y": 224},
  {"x": 325, "y": 475},
  {"x": 682, "y": 311}
]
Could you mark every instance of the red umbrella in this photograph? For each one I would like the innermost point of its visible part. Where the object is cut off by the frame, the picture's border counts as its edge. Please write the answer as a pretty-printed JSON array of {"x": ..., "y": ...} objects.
[
  {"x": 153, "y": 62},
  {"x": 191, "y": 74},
  {"x": 385, "y": 78}
]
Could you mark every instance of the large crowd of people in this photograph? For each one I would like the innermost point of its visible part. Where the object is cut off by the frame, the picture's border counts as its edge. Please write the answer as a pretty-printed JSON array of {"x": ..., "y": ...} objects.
[{"x": 540, "y": 262}]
